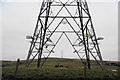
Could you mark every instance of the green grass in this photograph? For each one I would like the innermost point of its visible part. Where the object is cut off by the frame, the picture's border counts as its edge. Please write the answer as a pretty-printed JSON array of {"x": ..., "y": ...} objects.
[{"x": 73, "y": 70}]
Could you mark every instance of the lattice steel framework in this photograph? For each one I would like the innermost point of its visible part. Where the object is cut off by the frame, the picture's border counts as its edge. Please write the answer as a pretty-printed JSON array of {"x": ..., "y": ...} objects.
[{"x": 52, "y": 15}]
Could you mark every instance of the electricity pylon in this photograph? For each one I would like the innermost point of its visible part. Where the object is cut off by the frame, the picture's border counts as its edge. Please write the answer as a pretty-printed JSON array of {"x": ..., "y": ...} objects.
[{"x": 73, "y": 14}]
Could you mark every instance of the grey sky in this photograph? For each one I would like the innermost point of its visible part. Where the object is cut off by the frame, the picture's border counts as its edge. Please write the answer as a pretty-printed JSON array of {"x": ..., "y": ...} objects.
[{"x": 19, "y": 19}]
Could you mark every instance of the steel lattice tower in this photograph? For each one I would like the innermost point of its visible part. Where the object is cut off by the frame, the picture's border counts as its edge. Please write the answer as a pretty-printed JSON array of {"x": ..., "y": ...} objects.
[{"x": 78, "y": 18}]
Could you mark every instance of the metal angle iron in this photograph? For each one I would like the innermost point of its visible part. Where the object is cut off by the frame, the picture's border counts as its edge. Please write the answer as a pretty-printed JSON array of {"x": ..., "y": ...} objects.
[{"x": 72, "y": 13}]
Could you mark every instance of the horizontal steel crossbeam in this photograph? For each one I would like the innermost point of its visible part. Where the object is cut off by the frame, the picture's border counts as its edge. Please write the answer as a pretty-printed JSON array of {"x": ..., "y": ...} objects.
[{"x": 64, "y": 16}]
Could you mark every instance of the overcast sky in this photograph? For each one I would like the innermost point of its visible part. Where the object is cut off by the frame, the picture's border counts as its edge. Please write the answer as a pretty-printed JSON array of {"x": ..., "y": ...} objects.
[{"x": 19, "y": 19}]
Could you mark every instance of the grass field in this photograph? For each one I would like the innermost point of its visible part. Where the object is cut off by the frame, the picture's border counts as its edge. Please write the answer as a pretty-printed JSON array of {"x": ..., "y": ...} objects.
[{"x": 71, "y": 69}]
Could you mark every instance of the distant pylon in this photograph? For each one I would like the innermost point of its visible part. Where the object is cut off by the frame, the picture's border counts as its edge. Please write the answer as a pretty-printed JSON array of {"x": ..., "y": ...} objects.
[
  {"x": 61, "y": 53},
  {"x": 64, "y": 18}
]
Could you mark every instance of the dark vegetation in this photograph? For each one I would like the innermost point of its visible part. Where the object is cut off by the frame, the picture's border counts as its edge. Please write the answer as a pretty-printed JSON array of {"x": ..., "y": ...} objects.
[{"x": 60, "y": 69}]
